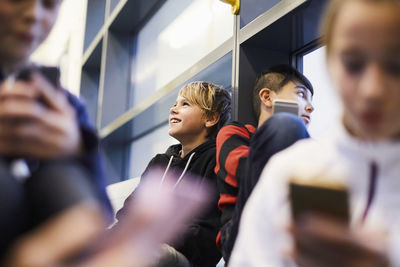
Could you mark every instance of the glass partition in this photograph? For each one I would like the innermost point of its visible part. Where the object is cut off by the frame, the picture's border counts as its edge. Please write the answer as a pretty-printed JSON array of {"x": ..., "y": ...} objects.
[
  {"x": 177, "y": 36},
  {"x": 145, "y": 148},
  {"x": 326, "y": 102}
]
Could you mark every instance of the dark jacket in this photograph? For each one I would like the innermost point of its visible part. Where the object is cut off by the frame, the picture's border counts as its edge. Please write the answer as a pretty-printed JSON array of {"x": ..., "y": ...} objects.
[
  {"x": 253, "y": 148},
  {"x": 198, "y": 242},
  {"x": 91, "y": 159}
]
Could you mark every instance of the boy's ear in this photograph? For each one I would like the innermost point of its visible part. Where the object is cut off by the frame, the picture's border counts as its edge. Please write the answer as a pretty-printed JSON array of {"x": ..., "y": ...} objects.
[
  {"x": 210, "y": 122},
  {"x": 266, "y": 97}
]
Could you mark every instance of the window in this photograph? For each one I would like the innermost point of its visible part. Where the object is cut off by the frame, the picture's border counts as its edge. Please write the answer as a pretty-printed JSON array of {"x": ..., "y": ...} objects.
[
  {"x": 326, "y": 102},
  {"x": 179, "y": 35},
  {"x": 145, "y": 148}
]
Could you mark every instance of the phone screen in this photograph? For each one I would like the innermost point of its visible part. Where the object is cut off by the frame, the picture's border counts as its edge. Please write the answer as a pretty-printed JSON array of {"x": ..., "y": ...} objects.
[
  {"x": 285, "y": 106},
  {"x": 52, "y": 74}
]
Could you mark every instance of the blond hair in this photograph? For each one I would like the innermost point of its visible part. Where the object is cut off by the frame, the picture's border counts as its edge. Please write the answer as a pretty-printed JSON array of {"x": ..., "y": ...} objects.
[
  {"x": 213, "y": 99},
  {"x": 331, "y": 13}
]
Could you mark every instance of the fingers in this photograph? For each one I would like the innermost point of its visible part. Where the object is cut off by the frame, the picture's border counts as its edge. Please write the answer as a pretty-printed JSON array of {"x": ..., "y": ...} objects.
[
  {"x": 151, "y": 220},
  {"x": 35, "y": 144},
  {"x": 21, "y": 109},
  {"x": 153, "y": 212},
  {"x": 54, "y": 240},
  {"x": 321, "y": 227},
  {"x": 36, "y": 120},
  {"x": 46, "y": 136},
  {"x": 36, "y": 90},
  {"x": 23, "y": 140},
  {"x": 322, "y": 241},
  {"x": 11, "y": 88},
  {"x": 37, "y": 87},
  {"x": 51, "y": 96}
]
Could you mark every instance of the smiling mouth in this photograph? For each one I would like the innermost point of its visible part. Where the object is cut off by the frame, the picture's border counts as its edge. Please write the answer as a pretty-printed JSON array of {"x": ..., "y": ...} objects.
[
  {"x": 307, "y": 119},
  {"x": 372, "y": 118},
  {"x": 174, "y": 121},
  {"x": 26, "y": 37}
]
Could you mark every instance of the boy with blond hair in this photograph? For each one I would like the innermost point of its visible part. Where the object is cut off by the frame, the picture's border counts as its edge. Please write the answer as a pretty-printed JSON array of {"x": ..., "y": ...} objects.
[{"x": 200, "y": 110}]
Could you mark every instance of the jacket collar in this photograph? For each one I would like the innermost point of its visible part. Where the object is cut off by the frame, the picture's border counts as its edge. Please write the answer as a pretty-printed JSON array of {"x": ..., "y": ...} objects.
[
  {"x": 383, "y": 152},
  {"x": 174, "y": 149}
]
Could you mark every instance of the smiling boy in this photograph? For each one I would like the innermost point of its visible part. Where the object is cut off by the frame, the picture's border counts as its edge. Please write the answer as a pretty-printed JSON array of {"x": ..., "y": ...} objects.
[{"x": 199, "y": 111}]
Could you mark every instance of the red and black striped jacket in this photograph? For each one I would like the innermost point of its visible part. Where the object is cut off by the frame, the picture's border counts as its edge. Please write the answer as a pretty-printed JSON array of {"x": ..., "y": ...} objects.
[{"x": 232, "y": 143}]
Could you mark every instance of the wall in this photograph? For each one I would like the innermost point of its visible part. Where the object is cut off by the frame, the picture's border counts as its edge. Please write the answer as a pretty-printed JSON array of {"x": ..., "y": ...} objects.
[{"x": 64, "y": 45}]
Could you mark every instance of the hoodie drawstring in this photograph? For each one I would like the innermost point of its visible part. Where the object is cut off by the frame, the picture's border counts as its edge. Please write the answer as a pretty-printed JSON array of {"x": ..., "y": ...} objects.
[
  {"x": 184, "y": 170},
  {"x": 371, "y": 190},
  {"x": 166, "y": 170},
  {"x": 183, "y": 173}
]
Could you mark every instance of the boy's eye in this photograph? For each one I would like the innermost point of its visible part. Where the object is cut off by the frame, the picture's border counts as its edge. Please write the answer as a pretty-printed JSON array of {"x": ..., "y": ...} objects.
[
  {"x": 301, "y": 93},
  {"x": 392, "y": 67},
  {"x": 353, "y": 64},
  {"x": 186, "y": 103},
  {"x": 50, "y": 4}
]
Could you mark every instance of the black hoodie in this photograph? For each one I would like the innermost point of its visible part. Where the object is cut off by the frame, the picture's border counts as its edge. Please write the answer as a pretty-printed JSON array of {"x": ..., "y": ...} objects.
[{"x": 197, "y": 243}]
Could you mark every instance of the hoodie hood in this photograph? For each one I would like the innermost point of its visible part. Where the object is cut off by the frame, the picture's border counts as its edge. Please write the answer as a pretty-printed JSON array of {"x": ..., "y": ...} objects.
[
  {"x": 170, "y": 161},
  {"x": 175, "y": 149}
]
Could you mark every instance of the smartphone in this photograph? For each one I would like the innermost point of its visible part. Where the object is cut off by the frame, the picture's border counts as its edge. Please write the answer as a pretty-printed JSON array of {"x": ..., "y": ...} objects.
[
  {"x": 52, "y": 74},
  {"x": 321, "y": 198},
  {"x": 285, "y": 106}
]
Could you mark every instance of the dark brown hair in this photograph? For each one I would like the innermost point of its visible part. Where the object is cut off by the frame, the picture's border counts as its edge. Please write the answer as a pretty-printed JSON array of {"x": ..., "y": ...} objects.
[
  {"x": 274, "y": 79},
  {"x": 331, "y": 13}
]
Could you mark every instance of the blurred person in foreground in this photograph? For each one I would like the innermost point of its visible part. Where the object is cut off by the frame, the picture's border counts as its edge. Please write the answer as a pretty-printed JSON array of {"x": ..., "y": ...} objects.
[
  {"x": 150, "y": 221},
  {"x": 363, "y": 57},
  {"x": 52, "y": 193},
  {"x": 50, "y": 165}
]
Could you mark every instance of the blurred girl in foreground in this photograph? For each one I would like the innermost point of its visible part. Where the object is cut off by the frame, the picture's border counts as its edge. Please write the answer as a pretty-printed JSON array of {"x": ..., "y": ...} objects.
[{"x": 363, "y": 54}]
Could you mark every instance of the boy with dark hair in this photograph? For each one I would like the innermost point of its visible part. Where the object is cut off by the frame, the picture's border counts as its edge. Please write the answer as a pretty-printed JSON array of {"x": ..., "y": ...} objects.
[
  {"x": 243, "y": 150},
  {"x": 200, "y": 110}
]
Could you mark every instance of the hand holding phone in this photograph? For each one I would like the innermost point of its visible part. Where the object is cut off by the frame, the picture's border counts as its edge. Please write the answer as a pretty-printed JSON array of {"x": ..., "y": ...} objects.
[
  {"x": 47, "y": 121},
  {"x": 52, "y": 74},
  {"x": 323, "y": 237}
]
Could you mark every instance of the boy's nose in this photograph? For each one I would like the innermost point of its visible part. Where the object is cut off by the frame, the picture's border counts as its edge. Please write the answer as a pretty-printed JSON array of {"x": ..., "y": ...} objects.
[
  {"x": 173, "y": 110},
  {"x": 309, "y": 108},
  {"x": 372, "y": 85},
  {"x": 33, "y": 10}
]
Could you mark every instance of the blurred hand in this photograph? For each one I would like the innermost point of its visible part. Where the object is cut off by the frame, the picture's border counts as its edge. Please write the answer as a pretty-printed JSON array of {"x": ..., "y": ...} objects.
[
  {"x": 36, "y": 120},
  {"x": 58, "y": 237},
  {"x": 322, "y": 241},
  {"x": 155, "y": 216},
  {"x": 76, "y": 238}
]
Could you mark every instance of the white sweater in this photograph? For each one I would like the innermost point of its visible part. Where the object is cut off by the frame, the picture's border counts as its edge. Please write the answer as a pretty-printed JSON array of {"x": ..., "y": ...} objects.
[{"x": 262, "y": 239}]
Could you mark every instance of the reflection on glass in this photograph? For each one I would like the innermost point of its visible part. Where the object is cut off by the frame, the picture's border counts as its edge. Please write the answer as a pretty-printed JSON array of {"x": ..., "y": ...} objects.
[
  {"x": 145, "y": 148},
  {"x": 178, "y": 35},
  {"x": 327, "y": 106}
]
